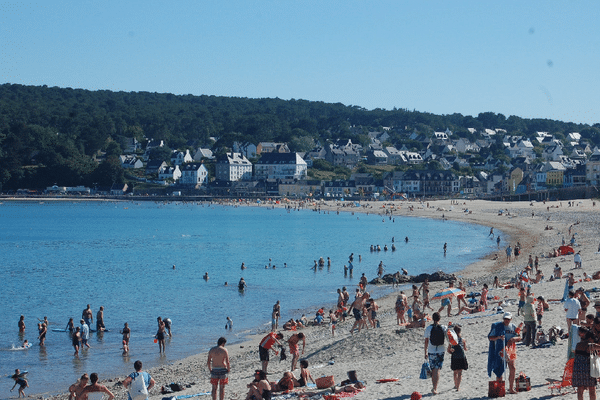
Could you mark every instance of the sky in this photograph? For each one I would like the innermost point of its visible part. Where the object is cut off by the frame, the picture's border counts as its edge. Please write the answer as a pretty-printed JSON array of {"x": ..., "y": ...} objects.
[{"x": 532, "y": 59}]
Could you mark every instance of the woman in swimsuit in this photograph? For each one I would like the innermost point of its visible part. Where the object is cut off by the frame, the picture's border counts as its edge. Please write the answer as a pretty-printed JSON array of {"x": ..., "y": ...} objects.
[
  {"x": 304, "y": 373},
  {"x": 76, "y": 339},
  {"x": 42, "y": 333},
  {"x": 160, "y": 335}
]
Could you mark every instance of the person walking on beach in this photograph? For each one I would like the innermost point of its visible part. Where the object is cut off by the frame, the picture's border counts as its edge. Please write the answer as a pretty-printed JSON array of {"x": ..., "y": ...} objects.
[
  {"x": 295, "y": 348},
  {"x": 458, "y": 360},
  {"x": 572, "y": 307},
  {"x": 529, "y": 318},
  {"x": 78, "y": 387},
  {"x": 218, "y": 366},
  {"x": 357, "y": 308},
  {"x": 265, "y": 345},
  {"x": 141, "y": 386},
  {"x": 95, "y": 387},
  {"x": 491, "y": 232},
  {"x": 434, "y": 336},
  {"x": 508, "y": 253}
]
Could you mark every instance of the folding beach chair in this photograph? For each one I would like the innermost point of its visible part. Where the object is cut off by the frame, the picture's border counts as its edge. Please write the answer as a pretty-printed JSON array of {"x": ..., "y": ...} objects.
[{"x": 564, "y": 386}]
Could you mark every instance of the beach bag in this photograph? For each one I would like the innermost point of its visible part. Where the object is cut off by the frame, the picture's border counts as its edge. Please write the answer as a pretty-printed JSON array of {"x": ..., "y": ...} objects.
[
  {"x": 137, "y": 388},
  {"x": 594, "y": 365},
  {"x": 522, "y": 383},
  {"x": 437, "y": 335},
  {"x": 496, "y": 389},
  {"x": 325, "y": 382},
  {"x": 425, "y": 371}
]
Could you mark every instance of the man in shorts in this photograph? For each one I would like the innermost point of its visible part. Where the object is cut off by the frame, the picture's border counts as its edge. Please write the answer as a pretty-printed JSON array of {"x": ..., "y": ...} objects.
[
  {"x": 357, "y": 308},
  {"x": 218, "y": 365},
  {"x": 265, "y": 345},
  {"x": 85, "y": 334}
]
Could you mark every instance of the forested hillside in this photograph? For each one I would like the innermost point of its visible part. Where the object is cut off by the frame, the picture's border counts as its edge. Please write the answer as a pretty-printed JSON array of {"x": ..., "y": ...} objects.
[{"x": 50, "y": 135}]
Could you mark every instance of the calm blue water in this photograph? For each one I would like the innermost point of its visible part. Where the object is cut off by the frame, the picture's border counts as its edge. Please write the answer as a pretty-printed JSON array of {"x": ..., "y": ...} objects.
[{"x": 56, "y": 257}]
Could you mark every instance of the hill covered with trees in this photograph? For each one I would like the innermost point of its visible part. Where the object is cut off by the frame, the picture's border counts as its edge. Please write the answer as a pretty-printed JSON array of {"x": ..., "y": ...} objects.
[{"x": 51, "y": 134}]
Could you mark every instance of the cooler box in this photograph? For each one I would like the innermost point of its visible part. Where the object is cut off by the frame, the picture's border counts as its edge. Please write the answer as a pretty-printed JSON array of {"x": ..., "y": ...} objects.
[{"x": 496, "y": 389}]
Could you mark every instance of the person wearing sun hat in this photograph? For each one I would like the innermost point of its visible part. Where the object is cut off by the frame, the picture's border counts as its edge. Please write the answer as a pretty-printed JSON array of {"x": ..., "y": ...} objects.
[{"x": 503, "y": 337}]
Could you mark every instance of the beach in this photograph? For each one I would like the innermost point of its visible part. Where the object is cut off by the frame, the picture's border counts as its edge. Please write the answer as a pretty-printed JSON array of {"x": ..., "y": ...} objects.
[{"x": 396, "y": 352}]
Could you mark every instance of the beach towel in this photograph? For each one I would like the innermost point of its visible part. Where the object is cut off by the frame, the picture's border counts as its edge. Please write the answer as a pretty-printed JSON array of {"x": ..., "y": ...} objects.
[{"x": 495, "y": 361}]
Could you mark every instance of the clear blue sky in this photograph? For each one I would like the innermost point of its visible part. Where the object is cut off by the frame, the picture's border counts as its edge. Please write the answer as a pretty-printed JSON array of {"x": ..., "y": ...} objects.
[{"x": 534, "y": 59}]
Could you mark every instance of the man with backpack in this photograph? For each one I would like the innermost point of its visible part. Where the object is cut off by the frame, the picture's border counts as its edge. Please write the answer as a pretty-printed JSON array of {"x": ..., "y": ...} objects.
[
  {"x": 138, "y": 383},
  {"x": 435, "y": 335}
]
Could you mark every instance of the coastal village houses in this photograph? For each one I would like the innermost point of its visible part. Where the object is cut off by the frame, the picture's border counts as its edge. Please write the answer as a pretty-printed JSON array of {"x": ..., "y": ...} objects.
[
  {"x": 280, "y": 166},
  {"x": 233, "y": 167}
]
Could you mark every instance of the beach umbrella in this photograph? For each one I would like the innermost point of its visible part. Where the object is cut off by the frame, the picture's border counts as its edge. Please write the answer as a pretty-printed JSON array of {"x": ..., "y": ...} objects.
[{"x": 447, "y": 293}]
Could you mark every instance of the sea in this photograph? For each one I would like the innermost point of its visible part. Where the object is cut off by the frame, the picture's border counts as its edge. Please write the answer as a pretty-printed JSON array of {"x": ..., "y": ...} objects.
[{"x": 142, "y": 260}]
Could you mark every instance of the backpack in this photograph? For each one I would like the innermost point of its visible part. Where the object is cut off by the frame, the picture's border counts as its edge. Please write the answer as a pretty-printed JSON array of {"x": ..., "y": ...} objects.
[
  {"x": 436, "y": 336},
  {"x": 137, "y": 388}
]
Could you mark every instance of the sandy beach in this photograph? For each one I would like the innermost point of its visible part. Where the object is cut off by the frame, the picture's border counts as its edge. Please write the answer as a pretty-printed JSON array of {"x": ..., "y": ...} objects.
[{"x": 391, "y": 351}]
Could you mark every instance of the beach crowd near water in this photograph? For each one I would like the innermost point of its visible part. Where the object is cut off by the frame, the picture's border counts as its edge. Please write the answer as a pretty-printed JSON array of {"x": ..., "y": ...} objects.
[{"x": 513, "y": 322}]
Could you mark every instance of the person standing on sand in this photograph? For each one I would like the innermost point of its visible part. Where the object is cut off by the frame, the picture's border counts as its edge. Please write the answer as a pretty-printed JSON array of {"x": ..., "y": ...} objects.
[
  {"x": 357, "y": 308},
  {"x": 508, "y": 253},
  {"x": 218, "y": 366},
  {"x": 148, "y": 381},
  {"x": 295, "y": 348},
  {"x": 265, "y": 345},
  {"x": 434, "y": 348},
  {"x": 503, "y": 338}
]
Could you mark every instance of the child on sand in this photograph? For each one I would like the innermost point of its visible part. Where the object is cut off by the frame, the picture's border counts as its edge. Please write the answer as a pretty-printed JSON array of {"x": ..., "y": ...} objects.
[
  {"x": 333, "y": 322},
  {"x": 458, "y": 361}
]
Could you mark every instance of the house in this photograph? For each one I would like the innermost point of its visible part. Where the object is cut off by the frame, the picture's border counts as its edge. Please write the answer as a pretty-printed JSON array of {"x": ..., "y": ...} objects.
[
  {"x": 412, "y": 157},
  {"x": 592, "y": 169},
  {"x": 513, "y": 179},
  {"x": 247, "y": 149},
  {"x": 203, "y": 153},
  {"x": 318, "y": 153},
  {"x": 270, "y": 147},
  {"x": 376, "y": 157},
  {"x": 576, "y": 176},
  {"x": 464, "y": 145},
  {"x": 152, "y": 144},
  {"x": 167, "y": 172},
  {"x": 194, "y": 175},
  {"x": 233, "y": 167},
  {"x": 394, "y": 156},
  {"x": 130, "y": 161},
  {"x": 299, "y": 188},
  {"x": 179, "y": 157},
  {"x": 423, "y": 182},
  {"x": 552, "y": 152},
  {"x": 130, "y": 145},
  {"x": 118, "y": 189},
  {"x": 280, "y": 166},
  {"x": 344, "y": 156},
  {"x": 154, "y": 166},
  {"x": 339, "y": 188},
  {"x": 364, "y": 183}
]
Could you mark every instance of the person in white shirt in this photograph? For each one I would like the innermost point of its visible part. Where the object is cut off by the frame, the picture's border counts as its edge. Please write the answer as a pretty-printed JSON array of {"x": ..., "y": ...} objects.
[{"x": 572, "y": 307}]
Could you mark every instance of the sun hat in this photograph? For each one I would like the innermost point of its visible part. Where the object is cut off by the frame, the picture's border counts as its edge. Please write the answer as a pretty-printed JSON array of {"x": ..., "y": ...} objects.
[{"x": 507, "y": 315}]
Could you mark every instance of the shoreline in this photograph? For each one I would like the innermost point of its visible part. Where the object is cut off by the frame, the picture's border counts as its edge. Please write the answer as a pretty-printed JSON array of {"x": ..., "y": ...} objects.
[{"x": 193, "y": 368}]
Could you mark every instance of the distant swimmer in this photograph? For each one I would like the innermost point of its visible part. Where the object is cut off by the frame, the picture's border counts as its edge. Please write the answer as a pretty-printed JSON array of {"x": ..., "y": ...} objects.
[
  {"x": 229, "y": 324},
  {"x": 205, "y": 277},
  {"x": 226, "y": 284},
  {"x": 284, "y": 265},
  {"x": 173, "y": 266},
  {"x": 406, "y": 239},
  {"x": 445, "y": 247},
  {"x": 393, "y": 247},
  {"x": 100, "y": 320},
  {"x": 243, "y": 266},
  {"x": 491, "y": 232},
  {"x": 242, "y": 284}
]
